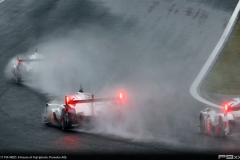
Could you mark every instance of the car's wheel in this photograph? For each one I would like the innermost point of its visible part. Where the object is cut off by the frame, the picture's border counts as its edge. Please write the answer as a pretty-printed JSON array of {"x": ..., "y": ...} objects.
[
  {"x": 47, "y": 118},
  {"x": 18, "y": 77},
  {"x": 65, "y": 121},
  {"x": 202, "y": 123},
  {"x": 221, "y": 128},
  {"x": 212, "y": 129},
  {"x": 18, "y": 80},
  {"x": 46, "y": 122}
]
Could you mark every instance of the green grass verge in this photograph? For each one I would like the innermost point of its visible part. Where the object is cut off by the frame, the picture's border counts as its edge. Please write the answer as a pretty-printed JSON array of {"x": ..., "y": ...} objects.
[{"x": 224, "y": 78}]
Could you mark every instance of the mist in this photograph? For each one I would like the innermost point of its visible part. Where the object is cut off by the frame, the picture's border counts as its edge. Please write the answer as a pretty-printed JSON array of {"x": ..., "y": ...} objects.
[{"x": 103, "y": 67}]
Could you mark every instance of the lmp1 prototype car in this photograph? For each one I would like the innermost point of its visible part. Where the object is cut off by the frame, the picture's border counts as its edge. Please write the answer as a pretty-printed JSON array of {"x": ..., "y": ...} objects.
[
  {"x": 222, "y": 124},
  {"x": 78, "y": 110},
  {"x": 22, "y": 67}
]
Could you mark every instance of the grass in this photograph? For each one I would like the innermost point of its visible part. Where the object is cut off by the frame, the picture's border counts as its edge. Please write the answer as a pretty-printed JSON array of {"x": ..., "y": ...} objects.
[{"x": 224, "y": 78}]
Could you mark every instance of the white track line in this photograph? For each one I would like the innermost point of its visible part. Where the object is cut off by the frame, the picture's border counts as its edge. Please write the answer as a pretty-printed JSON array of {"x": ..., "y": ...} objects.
[
  {"x": 194, "y": 89},
  {"x": 1, "y": 1}
]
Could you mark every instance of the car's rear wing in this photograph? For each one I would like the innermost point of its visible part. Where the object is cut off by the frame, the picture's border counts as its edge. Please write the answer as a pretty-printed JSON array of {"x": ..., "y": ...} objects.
[
  {"x": 92, "y": 100},
  {"x": 29, "y": 60},
  {"x": 69, "y": 101}
]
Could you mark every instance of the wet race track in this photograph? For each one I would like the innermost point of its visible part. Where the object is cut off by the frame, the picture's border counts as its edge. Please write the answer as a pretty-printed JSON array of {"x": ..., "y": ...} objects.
[{"x": 152, "y": 49}]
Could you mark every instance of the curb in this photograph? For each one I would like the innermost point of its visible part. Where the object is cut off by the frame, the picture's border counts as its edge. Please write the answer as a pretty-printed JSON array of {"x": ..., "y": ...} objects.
[{"x": 195, "y": 87}]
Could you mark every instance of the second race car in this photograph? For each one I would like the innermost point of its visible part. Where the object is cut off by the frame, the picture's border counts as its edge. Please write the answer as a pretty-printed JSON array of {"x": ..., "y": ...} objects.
[{"x": 222, "y": 124}]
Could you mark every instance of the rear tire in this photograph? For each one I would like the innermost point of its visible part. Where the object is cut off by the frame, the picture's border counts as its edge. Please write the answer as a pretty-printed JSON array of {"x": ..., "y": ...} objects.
[
  {"x": 46, "y": 117},
  {"x": 47, "y": 123},
  {"x": 221, "y": 128},
  {"x": 65, "y": 121},
  {"x": 212, "y": 129},
  {"x": 202, "y": 123},
  {"x": 18, "y": 78}
]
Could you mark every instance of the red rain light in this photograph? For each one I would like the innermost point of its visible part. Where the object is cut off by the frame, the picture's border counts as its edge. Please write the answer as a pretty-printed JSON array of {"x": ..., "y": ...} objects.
[
  {"x": 226, "y": 107},
  {"x": 18, "y": 61},
  {"x": 68, "y": 100},
  {"x": 121, "y": 95}
]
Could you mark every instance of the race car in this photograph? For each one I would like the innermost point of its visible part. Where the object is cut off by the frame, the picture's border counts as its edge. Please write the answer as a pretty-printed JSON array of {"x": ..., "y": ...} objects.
[
  {"x": 222, "y": 124},
  {"x": 79, "y": 110},
  {"x": 22, "y": 67}
]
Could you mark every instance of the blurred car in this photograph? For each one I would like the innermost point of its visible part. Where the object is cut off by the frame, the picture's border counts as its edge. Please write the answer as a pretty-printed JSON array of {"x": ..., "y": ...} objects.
[
  {"x": 225, "y": 123},
  {"x": 23, "y": 67}
]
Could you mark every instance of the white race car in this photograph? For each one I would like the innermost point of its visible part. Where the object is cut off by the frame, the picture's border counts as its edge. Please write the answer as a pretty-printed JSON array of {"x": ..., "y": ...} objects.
[
  {"x": 79, "y": 109},
  {"x": 22, "y": 67},
  {"x": 222, "y": 124}
]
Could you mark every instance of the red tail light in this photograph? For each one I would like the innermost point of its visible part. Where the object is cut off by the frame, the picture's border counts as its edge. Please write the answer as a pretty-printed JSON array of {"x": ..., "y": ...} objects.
[
  {"x": 67, "y": 99},
  {"x": 18, "y": 61}
]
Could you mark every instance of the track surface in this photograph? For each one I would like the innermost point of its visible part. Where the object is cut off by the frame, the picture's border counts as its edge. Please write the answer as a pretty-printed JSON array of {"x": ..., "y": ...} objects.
[{"x": 171, "y": 39}]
